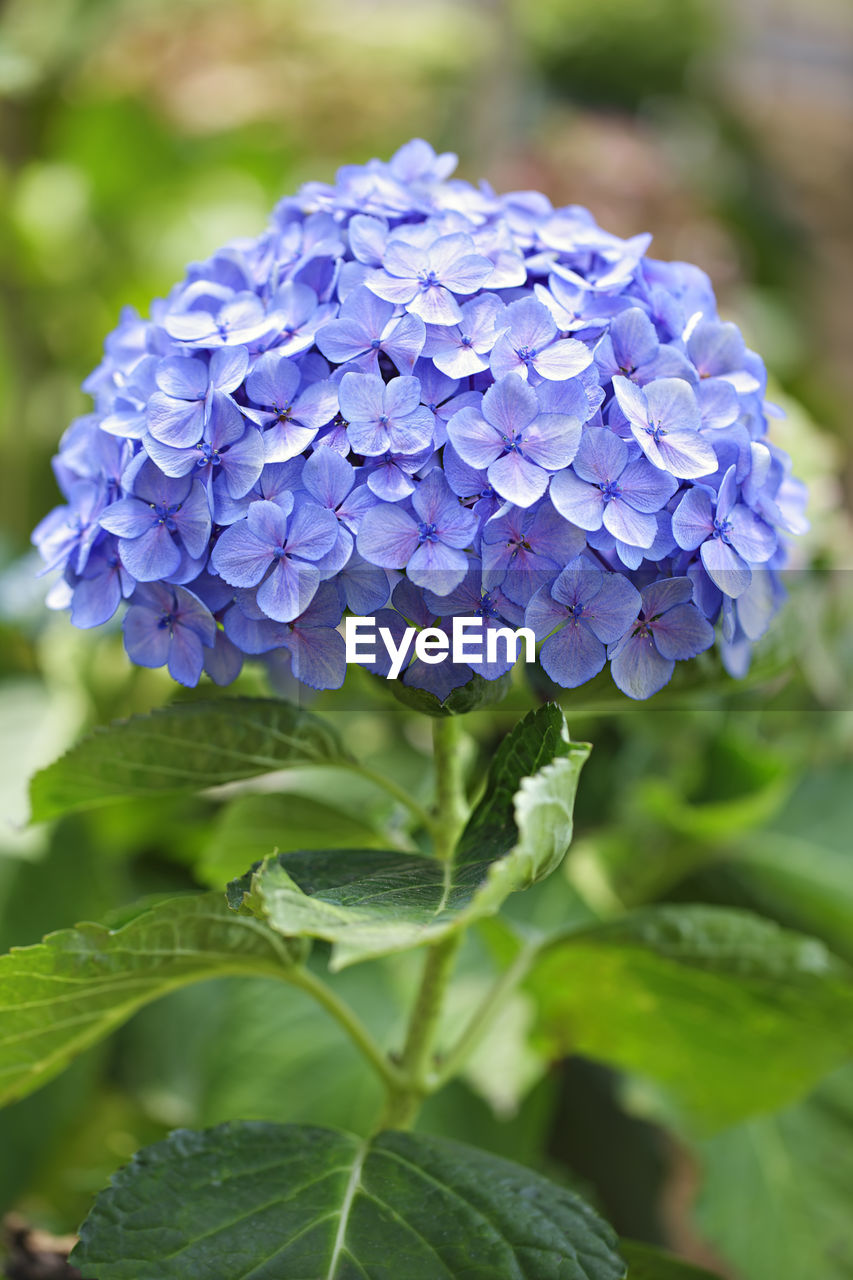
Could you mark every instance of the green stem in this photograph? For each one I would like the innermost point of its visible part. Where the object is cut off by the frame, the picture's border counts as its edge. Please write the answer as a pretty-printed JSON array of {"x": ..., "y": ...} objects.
[
  {"x": 451, "y": 807},
  {"x": 351, "y": 1024},
  {"x": 415, "y": 1063},
  {"x": 495, "y": 999}
]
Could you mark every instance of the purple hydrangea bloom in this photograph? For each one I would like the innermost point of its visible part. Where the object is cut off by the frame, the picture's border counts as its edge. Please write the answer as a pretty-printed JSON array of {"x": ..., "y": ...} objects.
[
  {"x": 531, "y": 343},
  {"x": 168, "y": 625},
  {"x": 583, "y": 611},
  {"x": 462, "y": 349},
  {"x": 331, "y": 482},
  {"x": 669, "y": 629},
  {"x": 730, "y": 536},
  {"x": 290, "y": 412},
  {"x": 428, "y": 542},
  {"x": 664, "y": 420},
  {"x": 515, "y": 439},
  {"x": 524, "y": 548},
  {"x": 277, "y": 546},
  {"x": 228, "y": 447},
  {"x": 384, "y": 417},
  {"x": 414, "y": 388},
  {"x": 367, "y": 326},
  {"x": 191, "y": 391},
  {"x": 424, "y": 275},
  {"x": 102, "y": 586},
  {"x": 163, "y": 516},
  {"x": 603, "y": 487}
]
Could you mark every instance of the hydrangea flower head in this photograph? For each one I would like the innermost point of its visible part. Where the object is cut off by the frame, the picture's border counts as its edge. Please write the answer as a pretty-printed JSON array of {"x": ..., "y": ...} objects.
[{"x": 416, "y": 399}]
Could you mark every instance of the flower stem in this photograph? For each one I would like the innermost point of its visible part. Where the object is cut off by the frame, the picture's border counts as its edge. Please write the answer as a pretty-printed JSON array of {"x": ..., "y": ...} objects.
[
  {"x": 451, "y": 808},
  {"x": 415, "y": 1062}
]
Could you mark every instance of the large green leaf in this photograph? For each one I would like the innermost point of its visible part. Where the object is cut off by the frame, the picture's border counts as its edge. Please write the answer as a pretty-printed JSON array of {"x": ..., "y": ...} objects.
[
  {"x": 61, "y": 996},
  {"x": 732, "y": 1014},
  {"x": 777, "y": 1191},
  {"x": 285, "y": 1202},
  {"x": 370, "y": 902},
  {"x": 184, "y": 747},
  {"x": 648, "y": 1263}
]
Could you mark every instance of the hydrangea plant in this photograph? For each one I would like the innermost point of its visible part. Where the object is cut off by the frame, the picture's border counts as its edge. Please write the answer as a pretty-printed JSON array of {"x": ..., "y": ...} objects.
[
  {"x": 405, "y": 374},
  {"x": 413, "y": 400}
]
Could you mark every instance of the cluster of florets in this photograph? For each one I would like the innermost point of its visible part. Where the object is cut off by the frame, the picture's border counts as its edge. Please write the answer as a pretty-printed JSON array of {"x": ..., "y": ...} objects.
[{"x": 412, "y": 398}]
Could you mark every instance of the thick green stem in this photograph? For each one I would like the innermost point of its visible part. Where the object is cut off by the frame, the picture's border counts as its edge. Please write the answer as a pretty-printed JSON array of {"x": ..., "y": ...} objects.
[
  {"x": 416, "y": 1062},
  {"x": 451, "y": 808},
  {"x": 416, "y": 1059}
]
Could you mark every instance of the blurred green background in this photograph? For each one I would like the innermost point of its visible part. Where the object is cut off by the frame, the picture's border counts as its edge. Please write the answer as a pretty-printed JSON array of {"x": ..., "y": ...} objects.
[{"x": 140, "y": 134}]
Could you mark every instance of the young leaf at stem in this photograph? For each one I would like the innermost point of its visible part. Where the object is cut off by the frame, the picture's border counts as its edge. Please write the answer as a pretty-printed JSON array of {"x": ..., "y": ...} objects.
[{"x": 373, "y": 902}]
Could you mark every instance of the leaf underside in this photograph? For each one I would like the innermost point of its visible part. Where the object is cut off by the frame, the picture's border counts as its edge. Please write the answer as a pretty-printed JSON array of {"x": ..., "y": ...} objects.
[
  {"x": 185, "y": 747},
  {"x": 61, "y": 996}
]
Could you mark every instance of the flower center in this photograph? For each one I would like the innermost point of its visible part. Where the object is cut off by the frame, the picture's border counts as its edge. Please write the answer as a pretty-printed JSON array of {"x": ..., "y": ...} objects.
[
  {"x": 486, "y": 608},
  {"x": 209, "y": 455},
  {"x": 610, "y": 490},
  {"x": 428, "y": 279},
  {"x": 165, "y": 515},
  {"x": 722, "y": 529},
  {"x": 427, "y": 532}
]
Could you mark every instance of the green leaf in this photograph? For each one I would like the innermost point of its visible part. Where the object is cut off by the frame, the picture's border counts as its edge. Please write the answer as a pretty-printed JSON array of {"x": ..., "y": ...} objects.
[
  {"x": 252, "y": 827},
  {"x": 776, "y": 1195},
  {"x": 730, "y": 1013},
  {"x": 799, "y": 870},
  {"x": 370, "y": 903},
  {"x": 64, "y": 994},
  {"x": 648, "y": 1263},
  {"x": 185, "y": 747},
  {"x": 521, "y": 765},
  {"x": 281, "y": 1202}
]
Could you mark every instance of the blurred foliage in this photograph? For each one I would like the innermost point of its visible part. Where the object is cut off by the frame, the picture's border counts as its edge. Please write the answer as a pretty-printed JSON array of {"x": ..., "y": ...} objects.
[
  {"x": 615, "y": 54},
  {"x": 139, "y": 134}
]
